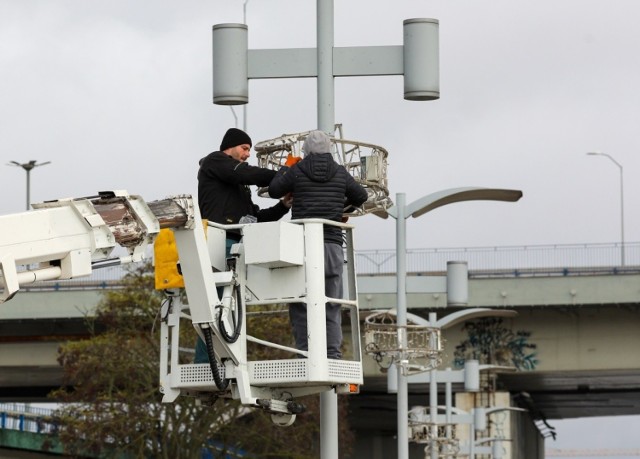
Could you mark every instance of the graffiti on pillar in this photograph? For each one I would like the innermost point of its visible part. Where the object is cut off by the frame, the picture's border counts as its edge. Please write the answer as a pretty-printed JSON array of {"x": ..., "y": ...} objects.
[{"x": 490, "y": 342}]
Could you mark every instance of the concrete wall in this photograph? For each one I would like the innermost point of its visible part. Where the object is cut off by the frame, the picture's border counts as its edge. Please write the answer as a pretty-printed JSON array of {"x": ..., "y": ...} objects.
[
  {"x": 573, "y": 338},
  {"x": 50, "y": 304},
  {"x": 527, "y": 441},
  {"x": 379, "y": 292},
  {"x": 15, "y": 444}
]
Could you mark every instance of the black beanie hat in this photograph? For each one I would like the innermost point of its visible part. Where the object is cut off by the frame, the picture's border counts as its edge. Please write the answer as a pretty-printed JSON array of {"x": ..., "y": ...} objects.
[{"x": 233, "y": 138}]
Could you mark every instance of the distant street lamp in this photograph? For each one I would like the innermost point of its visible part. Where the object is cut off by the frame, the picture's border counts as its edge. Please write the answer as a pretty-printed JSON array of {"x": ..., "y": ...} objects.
[
  {"x": 27, "y": 167},
  {"x": 597, "y": 153}
]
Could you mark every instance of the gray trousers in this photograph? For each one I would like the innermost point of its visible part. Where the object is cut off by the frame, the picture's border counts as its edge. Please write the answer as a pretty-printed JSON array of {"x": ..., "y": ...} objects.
[{"x": 333, "y": 266}]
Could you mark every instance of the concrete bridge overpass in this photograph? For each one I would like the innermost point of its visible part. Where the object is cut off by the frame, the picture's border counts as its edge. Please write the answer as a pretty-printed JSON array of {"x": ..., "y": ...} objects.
[{"x": 578, "y": 305}]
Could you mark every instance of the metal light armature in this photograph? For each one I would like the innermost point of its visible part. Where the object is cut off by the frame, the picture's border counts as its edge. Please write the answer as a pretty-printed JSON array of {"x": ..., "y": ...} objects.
[
  {"x": 366, "y": 162},
  {"x": 417, "y": 60}
]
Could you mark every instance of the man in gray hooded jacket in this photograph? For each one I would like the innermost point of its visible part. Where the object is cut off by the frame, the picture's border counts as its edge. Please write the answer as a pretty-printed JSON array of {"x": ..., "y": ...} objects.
[{"x": 321, "y": 189}]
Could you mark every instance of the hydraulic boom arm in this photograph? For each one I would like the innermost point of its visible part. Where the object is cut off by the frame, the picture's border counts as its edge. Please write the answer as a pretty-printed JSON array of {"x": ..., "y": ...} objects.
[{"x": 68, "y": 238}]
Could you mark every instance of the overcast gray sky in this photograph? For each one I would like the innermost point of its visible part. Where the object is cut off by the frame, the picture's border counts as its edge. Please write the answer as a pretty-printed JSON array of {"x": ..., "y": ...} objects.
[{"x": 117, "y": 95}]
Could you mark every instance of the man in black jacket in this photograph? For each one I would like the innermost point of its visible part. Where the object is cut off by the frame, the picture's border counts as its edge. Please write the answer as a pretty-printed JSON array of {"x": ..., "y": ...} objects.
[
  {"x": 223, "y": 183},
  {"x": 321, "y": 188},
  {"x": 224, "y": 195}
]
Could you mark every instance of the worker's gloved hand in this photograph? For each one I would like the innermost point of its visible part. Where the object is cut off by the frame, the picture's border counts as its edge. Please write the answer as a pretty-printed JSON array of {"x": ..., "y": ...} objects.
[{"x": 291, "y": 160}]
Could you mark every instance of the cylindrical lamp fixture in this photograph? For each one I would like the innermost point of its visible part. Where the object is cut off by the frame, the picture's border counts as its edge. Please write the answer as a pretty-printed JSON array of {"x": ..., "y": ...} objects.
[
  {"x": 457, "y": 283},
  {"x": 392, "y": 379},
  {"x": 421, "y": 59},
  {"x": 479, "y": 419},
  {"x": 471, "y": 376},
  {"x": 230, "y": 64}
]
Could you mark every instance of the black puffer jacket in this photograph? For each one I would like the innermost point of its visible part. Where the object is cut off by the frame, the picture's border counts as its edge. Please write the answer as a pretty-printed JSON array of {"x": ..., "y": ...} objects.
[
  {"x": 321, "y": 189},
  {"x": 223, "y": 190}
]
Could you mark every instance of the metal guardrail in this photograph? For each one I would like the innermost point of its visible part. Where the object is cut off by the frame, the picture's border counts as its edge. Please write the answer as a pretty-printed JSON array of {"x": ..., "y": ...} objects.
[
  {"x": 499, "y": 261},
  {"x": 507, "y": 260},
  {"x": 26, "y": 418}
]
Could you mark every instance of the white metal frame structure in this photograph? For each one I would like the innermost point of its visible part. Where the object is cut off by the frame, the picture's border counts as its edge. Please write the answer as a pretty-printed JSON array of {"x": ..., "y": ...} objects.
[{"x": 276, "y": 263}]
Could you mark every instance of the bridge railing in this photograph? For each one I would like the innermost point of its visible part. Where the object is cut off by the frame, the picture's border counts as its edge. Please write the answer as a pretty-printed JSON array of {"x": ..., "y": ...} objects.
[
  {"x": 25, "y": 418},
  {"x": 507, "y": 259},
  {"x": 550, "y": 259}
]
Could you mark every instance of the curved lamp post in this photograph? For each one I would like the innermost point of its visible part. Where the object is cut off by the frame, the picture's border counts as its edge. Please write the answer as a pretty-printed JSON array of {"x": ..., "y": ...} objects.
[{"x": 401, "y": 211}]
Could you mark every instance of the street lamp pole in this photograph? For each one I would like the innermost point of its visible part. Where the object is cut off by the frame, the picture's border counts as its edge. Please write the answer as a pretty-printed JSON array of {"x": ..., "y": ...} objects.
[
  {"x": 244, "y": 106},
  {"x": 597, "y": 153},
  {"x": 234, "y": 65},
  {"x": 401, "y": 287},
  {"x": 28, "y": 167},
  {"x": 401, "y": 212}
]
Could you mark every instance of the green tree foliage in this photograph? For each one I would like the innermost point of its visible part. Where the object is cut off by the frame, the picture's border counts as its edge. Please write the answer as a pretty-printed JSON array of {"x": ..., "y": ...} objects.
[
  {"x": 111, "y": 404},
  {"x": 490, "y": 342}
]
